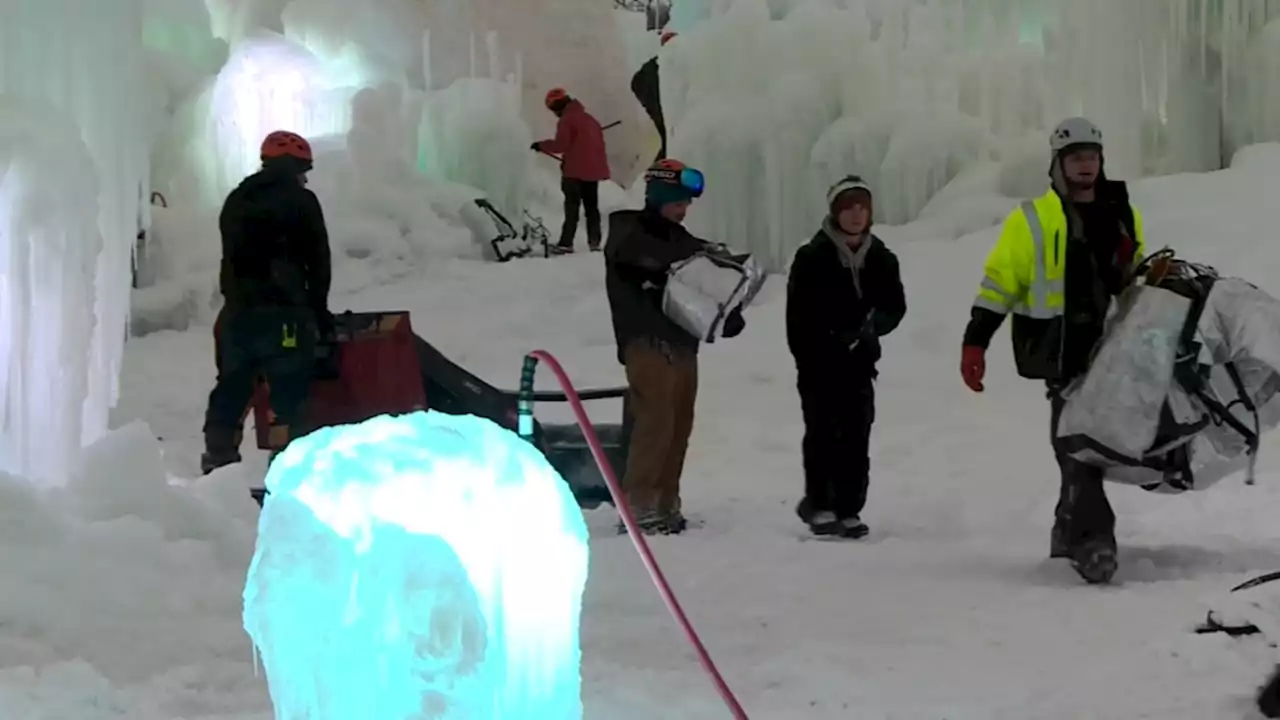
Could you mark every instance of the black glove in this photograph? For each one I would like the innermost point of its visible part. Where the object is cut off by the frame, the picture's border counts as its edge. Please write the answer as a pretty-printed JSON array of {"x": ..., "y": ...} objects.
[
  {"x": 865, "y": 333},
  {"x": 734, "y": 324},
  {"x": 534, "y": 146}
]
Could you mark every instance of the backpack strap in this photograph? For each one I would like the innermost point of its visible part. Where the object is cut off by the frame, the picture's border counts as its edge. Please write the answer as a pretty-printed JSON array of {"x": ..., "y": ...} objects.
[{"x": 1188, "y": 373}]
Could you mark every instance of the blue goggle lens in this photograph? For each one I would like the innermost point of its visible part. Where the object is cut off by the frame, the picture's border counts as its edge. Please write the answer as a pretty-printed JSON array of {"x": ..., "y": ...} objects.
[{"x": 693, "y": 181}]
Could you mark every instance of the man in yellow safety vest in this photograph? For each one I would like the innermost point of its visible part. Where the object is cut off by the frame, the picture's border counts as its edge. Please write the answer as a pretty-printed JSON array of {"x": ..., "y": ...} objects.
[{"x": 1058, "y": 263}]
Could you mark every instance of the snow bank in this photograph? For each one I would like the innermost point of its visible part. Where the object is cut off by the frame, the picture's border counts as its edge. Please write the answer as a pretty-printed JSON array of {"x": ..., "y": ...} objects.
[{"x": 117, "y": 559}]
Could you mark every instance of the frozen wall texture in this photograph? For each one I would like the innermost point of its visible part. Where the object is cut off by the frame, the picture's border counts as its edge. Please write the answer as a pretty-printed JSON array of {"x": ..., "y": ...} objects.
[
  {"x": 776, "y": 98},
  {"x": 78, "y": 68},
  {"x": 574, "y": 44},
  {"x": 419, "y": 566}
]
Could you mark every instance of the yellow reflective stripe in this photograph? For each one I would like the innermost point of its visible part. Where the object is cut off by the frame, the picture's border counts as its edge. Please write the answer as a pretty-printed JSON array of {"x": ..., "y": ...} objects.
[
  {"x": 987, "y": 303},
  {"x": 1040, "y": 296},
  {"x": 992, "y": 288}
]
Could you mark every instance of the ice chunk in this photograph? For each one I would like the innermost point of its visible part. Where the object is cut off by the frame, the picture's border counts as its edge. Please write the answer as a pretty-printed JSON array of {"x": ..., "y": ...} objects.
[
  {"x": 425, "y": 565},
  {"x": 49, "y": 247}
]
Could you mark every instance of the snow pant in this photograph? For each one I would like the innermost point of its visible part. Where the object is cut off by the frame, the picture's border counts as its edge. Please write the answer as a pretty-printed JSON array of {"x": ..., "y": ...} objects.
[
  {"x": 587, "y": 194},
  {"x": 662, "y": 386},
  {"x": 274, "y": 343},
  {"x": 838, "y": 416},
  {"x": 1083, "y": 513},
  {"x": 218, "y": 325}
]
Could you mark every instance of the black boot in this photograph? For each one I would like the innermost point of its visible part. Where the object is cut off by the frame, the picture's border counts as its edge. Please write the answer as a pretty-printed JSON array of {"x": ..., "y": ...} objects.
[
  {"x": 1269, "y": 696},
  {"x": 1095, "y": 561},
  {"x": 221, "y": 448}
]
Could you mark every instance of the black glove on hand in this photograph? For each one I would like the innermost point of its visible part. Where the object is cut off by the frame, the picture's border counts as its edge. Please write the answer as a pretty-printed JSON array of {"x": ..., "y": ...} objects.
[
  {"x": 734, "y": 324},
  {"x": 534, "y": 146},
  {"x": 866, "y": 333}
]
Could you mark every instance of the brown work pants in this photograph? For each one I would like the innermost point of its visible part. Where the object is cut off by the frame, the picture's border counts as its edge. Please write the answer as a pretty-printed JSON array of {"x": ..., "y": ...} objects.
[{"x": 662, "y": 387}]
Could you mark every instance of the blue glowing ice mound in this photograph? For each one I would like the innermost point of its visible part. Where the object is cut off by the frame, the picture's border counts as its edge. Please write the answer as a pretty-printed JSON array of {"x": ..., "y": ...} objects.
[{"x": 423, "y": 566}]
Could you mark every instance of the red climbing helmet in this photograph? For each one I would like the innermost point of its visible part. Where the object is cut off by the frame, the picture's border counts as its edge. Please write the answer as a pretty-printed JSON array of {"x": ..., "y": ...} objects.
[
  {"x": 666, "y": 36},
  {"x": 283, "y": 143},
  {"x": 555, "y": 96}
]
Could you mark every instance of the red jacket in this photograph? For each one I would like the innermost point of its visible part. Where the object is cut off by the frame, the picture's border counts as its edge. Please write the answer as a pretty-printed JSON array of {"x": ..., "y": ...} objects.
[{"x": 580, "y": 141}]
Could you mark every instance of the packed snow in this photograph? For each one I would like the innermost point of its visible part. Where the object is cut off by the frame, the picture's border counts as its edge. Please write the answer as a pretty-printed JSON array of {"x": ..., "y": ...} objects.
[{"x": 123, "y": 575}]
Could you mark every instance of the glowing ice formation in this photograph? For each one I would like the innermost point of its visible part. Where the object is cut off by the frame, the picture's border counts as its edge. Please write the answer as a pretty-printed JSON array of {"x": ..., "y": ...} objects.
[
  {"x": 419, "y": 566},
  {"x": 268, "y": 83}
]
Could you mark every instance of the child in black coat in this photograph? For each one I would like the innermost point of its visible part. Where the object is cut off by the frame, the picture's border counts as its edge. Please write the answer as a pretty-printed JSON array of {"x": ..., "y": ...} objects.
[{"x": 844, "y": 293}]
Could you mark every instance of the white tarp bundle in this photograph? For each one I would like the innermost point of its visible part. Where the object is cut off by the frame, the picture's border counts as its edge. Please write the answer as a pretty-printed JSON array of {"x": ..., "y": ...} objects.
[
  {"x": 703, "y": 290},
  {"x": 1182, "y": 384}
]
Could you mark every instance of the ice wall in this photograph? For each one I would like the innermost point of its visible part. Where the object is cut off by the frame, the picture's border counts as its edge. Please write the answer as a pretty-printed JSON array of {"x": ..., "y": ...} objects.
[
  {"x": 49, "y": 249},
  {"x": 268, "y": 83},
  {"x": 574, "y": 44},
  {"x": 105, "y": 102},
  {"x": 426, "y": 565},
  {"x": 776, "y": 98},
  {"x": 472, "y": 133}
]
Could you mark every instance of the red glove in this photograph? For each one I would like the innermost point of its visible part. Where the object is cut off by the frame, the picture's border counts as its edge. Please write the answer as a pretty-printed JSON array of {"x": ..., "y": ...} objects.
[{"x": 973, "y": 366}]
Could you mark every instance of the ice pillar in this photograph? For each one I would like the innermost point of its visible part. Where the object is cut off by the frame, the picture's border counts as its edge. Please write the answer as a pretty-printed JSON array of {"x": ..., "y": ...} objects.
[
  {"x": 420, "y": 566},
  {"x": 51, "y": 405}
]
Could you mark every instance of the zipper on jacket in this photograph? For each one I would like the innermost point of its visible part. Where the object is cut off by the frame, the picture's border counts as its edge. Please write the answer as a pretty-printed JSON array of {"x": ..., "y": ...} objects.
[{"x": 1062, "y": 325}]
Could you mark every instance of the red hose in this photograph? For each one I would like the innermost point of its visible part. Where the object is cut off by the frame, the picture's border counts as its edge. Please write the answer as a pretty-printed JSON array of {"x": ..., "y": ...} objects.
[{"x": 637, "y": 537}]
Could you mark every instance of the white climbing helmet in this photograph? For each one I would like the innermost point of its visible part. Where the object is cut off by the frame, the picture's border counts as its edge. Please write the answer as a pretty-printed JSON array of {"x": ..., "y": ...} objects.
[{"x": 1074, "y": 131}]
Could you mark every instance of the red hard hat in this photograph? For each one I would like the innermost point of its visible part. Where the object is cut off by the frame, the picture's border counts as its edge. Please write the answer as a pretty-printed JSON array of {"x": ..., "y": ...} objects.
[
  {"x": 666, "y": 36},
  {"x": 555, "y": 96},
  {"x": 283, "y": 143}
]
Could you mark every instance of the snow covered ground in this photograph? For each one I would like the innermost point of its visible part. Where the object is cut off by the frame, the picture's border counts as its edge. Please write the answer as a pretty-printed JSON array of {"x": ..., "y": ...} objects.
[{"x": 948, "y": 610}]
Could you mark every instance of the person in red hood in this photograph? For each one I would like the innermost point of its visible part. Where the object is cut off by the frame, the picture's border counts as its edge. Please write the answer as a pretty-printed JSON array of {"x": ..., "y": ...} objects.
[{"x": 579, "y": 141}]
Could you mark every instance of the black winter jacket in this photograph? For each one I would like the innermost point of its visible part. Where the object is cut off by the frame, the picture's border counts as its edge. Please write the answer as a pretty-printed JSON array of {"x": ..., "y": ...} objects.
[
  {"x": 275, "y": 248},
  {"x": 826, "y": 315},
  {"x": 641, "y": 247}
]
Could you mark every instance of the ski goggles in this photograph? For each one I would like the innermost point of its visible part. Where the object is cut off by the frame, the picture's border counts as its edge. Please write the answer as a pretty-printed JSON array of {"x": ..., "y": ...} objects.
[{"x": 688, "y": 179}]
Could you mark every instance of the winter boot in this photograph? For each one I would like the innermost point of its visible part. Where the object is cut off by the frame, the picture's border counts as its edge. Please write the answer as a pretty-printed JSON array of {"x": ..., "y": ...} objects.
[
  {"x": 1058, "y": 545},
  {"x": 1095, "y": 561},
  {"x": 675, "y": 522},
  {"x": 825, "y": 522},
  {"x": 853, "y": 528},
  {"x": 221, "y": 448},
  {"x": 649, "y": 522},
  {"x": 1269, "y": 696}
]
